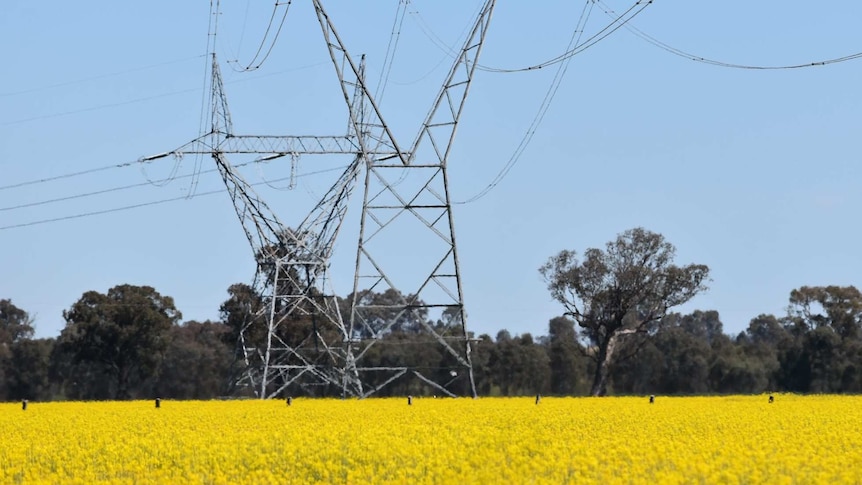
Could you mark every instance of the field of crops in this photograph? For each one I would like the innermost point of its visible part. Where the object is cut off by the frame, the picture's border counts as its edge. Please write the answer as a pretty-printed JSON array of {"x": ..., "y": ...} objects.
[{"x": 816, "y": 439}]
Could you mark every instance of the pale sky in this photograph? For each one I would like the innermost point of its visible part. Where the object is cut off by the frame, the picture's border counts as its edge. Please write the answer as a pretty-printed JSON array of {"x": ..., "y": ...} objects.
[{"x": 753, "y": 172}]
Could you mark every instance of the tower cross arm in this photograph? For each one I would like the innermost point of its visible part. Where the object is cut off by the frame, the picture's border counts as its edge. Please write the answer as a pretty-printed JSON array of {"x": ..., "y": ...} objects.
[
  {"x": 266, "y": 145},
  {"x": 300, "y": 145}
]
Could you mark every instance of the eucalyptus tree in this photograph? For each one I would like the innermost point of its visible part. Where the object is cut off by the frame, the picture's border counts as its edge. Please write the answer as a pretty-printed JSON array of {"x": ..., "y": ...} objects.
[
  {"x": 624, "y": 289},
  {"x": 122, "y": 333}
]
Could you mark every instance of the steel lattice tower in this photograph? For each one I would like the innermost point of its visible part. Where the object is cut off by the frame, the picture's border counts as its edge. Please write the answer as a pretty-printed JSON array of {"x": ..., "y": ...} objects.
[{"x": 296, "y": 334}]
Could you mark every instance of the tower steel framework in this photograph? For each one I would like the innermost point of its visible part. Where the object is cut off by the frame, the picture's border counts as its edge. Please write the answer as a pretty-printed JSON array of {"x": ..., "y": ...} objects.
[{"x": 297, "y": 335}]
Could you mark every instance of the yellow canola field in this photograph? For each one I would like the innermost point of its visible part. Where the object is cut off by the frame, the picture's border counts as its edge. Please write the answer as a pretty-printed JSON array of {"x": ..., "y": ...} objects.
[{"x": 710, "y": 440}]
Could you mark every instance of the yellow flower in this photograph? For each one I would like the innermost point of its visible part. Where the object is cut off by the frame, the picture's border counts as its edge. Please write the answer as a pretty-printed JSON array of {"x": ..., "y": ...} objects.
[{"x": 736, "y": 439}]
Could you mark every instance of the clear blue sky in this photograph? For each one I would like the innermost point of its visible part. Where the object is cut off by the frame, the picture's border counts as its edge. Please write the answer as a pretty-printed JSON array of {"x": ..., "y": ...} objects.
[{"x": 755, "y": 173}]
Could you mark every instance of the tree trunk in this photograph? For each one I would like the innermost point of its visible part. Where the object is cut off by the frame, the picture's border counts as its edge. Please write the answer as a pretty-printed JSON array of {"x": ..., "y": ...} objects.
[{"x": 603, "y": 366}]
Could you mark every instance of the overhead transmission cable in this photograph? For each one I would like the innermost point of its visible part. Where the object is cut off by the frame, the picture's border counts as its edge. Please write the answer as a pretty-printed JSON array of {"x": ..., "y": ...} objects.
[
  {"x": 294, "y": 163},
  {"x": 251, "y": 66},
  {"x": 99, "y": 76},
  {"x": 435, "y": 39},
  {"x": 391, "y": 50},
  {"x": 67, "y": 175},
  {"x": 137, "y": 100},
  {"x": 150, "y": 98},
  {"x": 156, "y": 202},
  {"x": 244, "y": 24},
  {"x": 622, "y": 20},
  {"x": 617, "y": 22},
  {"x": 212, "y": 32},
  {"x": 164, "y": 181},
  {"x": 543, "y": 108},
  {"x": 95, "y": 108},
  {"x": 100, "y": 192},
  {"x": 575, "y": 46},
  {"x": 449, "y": 51},
  {"x": 389, "y": 57},
  {"x": 694, "y": 57}
]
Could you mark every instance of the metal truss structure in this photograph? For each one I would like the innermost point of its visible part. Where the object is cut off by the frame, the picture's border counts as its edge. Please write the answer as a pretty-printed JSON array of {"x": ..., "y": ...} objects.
[{"x": 301, "y": 335}]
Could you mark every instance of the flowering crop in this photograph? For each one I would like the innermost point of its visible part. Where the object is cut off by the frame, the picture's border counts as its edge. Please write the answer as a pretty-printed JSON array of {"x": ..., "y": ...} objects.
[{"x": 814, "y": 439}]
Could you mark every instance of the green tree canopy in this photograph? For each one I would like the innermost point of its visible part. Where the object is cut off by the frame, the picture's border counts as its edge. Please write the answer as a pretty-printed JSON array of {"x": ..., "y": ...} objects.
[
  {"x": 627, "y": 288},
  {"x": 196, "y": 362},
  {"x": 836, "y": 307},
  {"x": 122, "y": 332},
  {"x": 824, "y": 351},
  {"x": 16, "y": 330},
  {"x": 15, "y": 323}
]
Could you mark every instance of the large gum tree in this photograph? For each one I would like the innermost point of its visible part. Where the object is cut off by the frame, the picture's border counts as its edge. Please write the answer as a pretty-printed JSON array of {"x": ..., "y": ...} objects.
[
  {"x": 122, "y": 332},
  {"x": 624, "y": 289}
]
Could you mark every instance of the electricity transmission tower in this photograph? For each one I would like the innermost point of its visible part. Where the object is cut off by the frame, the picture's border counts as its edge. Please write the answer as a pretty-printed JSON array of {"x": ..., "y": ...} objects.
[{"x": 296, "y": 335}]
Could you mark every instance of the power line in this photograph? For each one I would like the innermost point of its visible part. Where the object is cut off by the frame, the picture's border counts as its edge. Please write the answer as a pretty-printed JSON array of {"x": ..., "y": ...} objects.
[
  {"x": 249, "y": 66},
  {"x": 212, "y": 25},
  {"x": 84, "y": 172},
  {"x": 391, "y": 50},
  {"x": 98, "y": 76},
  {"x": 67, "y": 175},
  {"x": 244, "y": 24},
  {"x": 95, "y": 108},
  {"x": 158, "y": 183},
  {"x": 616, "y": 23},
  {"x": 106, "y": 191},
  {"x": 575, "y": 46},
  {"x": 105, "y": 211},
  {"x": 543, "y": 109},
  {"x": 681, "y": 53},
  {"x": 155, "y": 202},
  {"x": 126, "y": 164},
  {"x": 149, "y": 98},
  {"x": 448, "y": 50}
]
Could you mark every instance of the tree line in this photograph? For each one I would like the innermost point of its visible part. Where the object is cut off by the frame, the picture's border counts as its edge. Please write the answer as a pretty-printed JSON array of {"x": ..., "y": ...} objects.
[{"x": 617, "y": 335}]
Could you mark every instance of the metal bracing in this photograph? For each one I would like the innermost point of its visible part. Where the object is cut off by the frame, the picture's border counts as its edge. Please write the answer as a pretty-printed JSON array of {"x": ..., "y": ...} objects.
[
  {"x": 292, "y": 262},
  {"x": 292, "y": 275},
  {"x": 409, "y": 206},
  {"x": 297, "y": 336},
  {"x": 280, "y": 145},
  {"x": 356, "y": 94}
]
